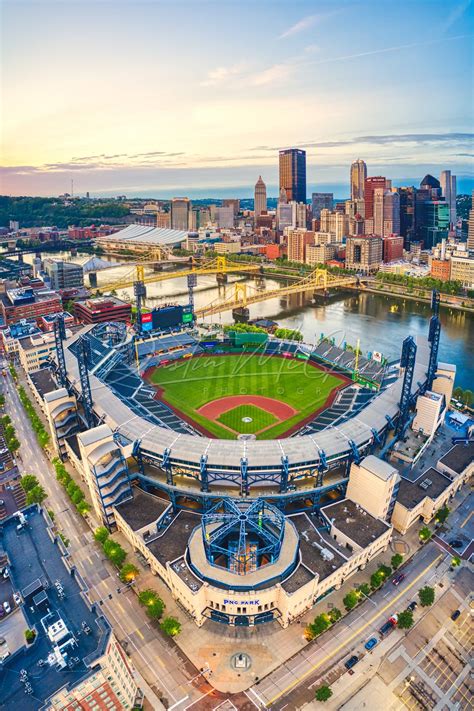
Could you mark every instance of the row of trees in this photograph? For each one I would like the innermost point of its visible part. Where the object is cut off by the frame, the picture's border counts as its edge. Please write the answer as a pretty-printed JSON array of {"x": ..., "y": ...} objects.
[
  {"x": 128, "y": 573},
  {"x": 38, "y": 211},
  {"x": 428, "y": 282},
  {"x": 36, "y": 423},
  {"x": 9, "y": 432},
  {"x": 426, "y": 596},
  {"x": 74, "y": 491},
  {"x": 288, "y": 334},
  {"x": 243, "y": 328}
]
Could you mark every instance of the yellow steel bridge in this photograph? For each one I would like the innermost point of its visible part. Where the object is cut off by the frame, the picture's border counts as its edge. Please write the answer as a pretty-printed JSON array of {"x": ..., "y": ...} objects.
[
  {"x": 219, "y": 265},
  {"x": 241, "y": 295}
]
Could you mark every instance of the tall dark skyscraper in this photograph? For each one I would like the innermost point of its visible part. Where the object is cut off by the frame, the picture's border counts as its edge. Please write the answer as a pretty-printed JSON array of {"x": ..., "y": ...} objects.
[{"x": 293, "y": 174}]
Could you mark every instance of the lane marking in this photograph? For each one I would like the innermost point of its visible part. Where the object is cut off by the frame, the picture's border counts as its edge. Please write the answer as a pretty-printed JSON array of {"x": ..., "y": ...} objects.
[
  {"x": 354, "y": 634},
  {"x": 466, "y": 519}
]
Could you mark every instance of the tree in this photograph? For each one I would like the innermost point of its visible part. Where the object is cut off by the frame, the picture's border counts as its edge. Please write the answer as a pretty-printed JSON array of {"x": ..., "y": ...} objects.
[
  {"x": 426, "y": 595},
  {"x": 29, "y": 636},
  {"x": 396, "y": 561},
  {"x": 468, "y": 397},
  {"x": 319, "y": 625},
  {"x": 364, "y": 589},
  {"x": 171, "y": 626},
  {"x": 442, "y": 514},
  {"x": 36, "y": 495},
  {"x": 128, "y": 573},
  {"x": 425, "y": 534},
  {"x": 83, "y": 508},
  {"x": 350, "y": 600},
  {"x": 323, "y": 693},
  {"x": 405, "y": 619},
  {"x": 13, "y": 445},
  {"x": 335, "y": 615},
  {"x": 152, "y": 602},
  {"x": 114, "y": 552},
  {"x": 455, "y": 562},
  {"x": 77, "y": 496},
  {"x": 28, "y": 482},
  {"x": 101, "y": 534}
]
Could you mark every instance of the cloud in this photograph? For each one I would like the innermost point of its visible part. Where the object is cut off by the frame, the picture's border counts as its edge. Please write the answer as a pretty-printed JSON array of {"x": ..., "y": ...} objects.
[
  {"x": 277, "y": 72},
  {"x": 381, "y": 140},
  {"x": 221, "y": 74},
  {"x": 301, "y": 25}
]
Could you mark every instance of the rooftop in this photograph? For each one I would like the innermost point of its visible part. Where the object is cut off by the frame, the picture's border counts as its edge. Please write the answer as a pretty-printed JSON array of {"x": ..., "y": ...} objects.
[
  {"x": 36, "y": 562},
  {"x": 102, "y": 303},
  {"x": 43, "y": 381},
  {"x": 355, "y": 522},
  {"x": 377, "y": 466},
  {"x": 458, "y": 457},
  {"x": 319, "y": 554},
  {"x": 173, "y": 542},
  {"x": 430, "y": 484},
  {"x": 142, "y": 510},
  {"x": 297, "y": 579}
]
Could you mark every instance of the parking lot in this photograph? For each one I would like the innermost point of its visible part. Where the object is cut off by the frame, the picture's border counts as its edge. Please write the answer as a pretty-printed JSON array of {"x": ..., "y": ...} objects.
[{"x": 432, "y": 664}]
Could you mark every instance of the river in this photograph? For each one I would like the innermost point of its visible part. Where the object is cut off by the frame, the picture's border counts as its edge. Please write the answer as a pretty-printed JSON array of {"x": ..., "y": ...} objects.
[{"x": 380, "y": 322}]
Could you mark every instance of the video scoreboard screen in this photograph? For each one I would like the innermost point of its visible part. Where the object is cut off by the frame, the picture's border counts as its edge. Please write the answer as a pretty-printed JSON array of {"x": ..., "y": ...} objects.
[{"x": 166, "y": 317}]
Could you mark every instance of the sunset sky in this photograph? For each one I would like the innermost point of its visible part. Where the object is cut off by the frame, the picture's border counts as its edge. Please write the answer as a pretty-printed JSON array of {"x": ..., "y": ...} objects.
[{"x": 166, "y": 97}]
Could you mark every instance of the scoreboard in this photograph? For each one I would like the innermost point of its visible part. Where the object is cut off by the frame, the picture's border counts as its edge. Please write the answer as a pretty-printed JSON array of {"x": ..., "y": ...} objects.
[{"x": 166, "y": 317}]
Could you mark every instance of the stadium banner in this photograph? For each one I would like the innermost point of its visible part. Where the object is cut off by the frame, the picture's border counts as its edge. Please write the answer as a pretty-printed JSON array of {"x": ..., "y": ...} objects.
[{"x": 377, "y": 356}]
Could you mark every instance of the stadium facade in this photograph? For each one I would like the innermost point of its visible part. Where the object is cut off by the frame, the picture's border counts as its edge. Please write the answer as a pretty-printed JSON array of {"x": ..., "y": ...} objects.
[{"x": 242, "y": 531}]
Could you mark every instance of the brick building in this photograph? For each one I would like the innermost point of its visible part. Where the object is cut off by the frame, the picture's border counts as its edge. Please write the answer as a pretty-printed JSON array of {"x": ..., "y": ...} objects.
[
  {"x": 106, "y": 308},
  {"x": 364, "y": 253},
  {"x": 392, "y": 248},
  {"x": 18, "y": 304}
]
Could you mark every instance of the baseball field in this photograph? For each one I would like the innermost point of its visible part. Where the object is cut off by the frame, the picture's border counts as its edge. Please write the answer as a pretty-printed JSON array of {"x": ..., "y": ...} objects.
[{"x": 228, "y": 395}]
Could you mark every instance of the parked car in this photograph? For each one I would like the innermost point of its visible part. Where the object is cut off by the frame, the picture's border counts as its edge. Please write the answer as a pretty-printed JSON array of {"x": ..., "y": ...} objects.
[
  {"x": 6, "y": 607},
  {"x": 6, "y": 574},
  {"x": 455, "y": 615},
  {"x": 351, "y": 662},
  {"x": 370, "y": 644},
  {"x": 398, "y": 579},
  {"x": 412, "y": 606},
  {"x": 17, "y": 598},
  {"x": 388, "y": 626},
  {"x": 456, "y": 543}
]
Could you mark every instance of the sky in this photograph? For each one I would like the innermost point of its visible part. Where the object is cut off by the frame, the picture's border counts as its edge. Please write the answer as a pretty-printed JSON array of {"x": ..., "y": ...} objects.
[{"x": 160, "y": 98}]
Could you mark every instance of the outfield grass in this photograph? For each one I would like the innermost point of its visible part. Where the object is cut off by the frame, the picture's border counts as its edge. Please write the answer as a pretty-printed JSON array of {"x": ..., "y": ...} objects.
[
  {"x": 189, "y": 384},
  {"x": 260, "y": 419}
]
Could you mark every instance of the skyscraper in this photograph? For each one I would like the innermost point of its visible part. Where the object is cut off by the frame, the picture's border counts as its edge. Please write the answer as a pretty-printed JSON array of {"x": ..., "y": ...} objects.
[
  {"x": 358, "y": 178},
  {"x": 293, "y": 173},
  {"x": 180, "y": 211},
  {"x": 407, "y": 214},
  {"x": 321, "y": 201},
  {"x": 260, "y": 197},
  {"x": 370, "y": 185},
  {"x": 448, "y": 190},
  {"x": 470, "y": 226}
]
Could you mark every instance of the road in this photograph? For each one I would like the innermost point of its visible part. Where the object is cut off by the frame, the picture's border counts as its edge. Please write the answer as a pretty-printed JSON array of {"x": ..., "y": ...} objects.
[{"x": 156, "y": 659}]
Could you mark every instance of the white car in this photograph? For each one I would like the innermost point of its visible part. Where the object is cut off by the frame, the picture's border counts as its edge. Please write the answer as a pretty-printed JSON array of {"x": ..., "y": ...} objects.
[
  {"x": 6, "y": 607},
  {"x": 17, "y": 598}
]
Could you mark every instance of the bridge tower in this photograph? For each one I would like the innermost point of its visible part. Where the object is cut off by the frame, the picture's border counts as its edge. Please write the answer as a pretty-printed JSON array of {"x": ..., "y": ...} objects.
[
  {"x": 221, "y": 275},
  {"x": 83, "y": 361},
  {"x": 433, "y": 338},
  {"x": 139, "y": 289},
  {"x": 407, "y": 361}
]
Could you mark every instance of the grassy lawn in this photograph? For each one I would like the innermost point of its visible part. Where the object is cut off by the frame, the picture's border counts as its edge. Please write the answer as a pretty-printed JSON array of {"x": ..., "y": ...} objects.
[
  {"x": 260, "y": 419},
  {"x": 189, "y": 384}
]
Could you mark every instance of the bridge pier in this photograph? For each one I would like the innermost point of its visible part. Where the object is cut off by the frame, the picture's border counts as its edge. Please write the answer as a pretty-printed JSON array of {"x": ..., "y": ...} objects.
[
  {"x": 221, "y": 278},
  {"x": 93, "y": 279},
  {"x": 157, "y": 267},
  {"x": 241, "y": 314}
]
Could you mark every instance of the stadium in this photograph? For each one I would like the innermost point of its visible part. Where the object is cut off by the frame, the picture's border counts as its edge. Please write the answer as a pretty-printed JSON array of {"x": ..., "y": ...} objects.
[{"x": 225, "y": 459}]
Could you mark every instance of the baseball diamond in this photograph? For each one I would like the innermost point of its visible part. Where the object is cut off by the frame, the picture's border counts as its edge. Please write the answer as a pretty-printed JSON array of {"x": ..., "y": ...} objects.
[{"x": 215, "y": 392}]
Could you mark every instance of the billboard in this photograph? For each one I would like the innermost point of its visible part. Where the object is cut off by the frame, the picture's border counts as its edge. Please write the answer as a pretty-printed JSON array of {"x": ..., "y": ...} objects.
[{"x": 147, "y": 322}]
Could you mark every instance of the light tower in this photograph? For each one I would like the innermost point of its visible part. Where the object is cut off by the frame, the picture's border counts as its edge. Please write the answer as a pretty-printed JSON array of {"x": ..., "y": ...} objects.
[
  {"x": 433, "y": 338},
  {"x": 139, "y": 289},
  {"x": 407, "y": 361},
  {"x": 59, "y": 337}
]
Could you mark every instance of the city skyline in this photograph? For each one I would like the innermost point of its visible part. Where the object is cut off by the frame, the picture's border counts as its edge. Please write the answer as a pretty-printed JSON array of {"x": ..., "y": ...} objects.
[{"x": 171, "y": 114}]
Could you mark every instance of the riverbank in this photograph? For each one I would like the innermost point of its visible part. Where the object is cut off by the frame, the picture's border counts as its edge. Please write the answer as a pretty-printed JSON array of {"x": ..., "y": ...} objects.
[{"x": 422, "y": 295}]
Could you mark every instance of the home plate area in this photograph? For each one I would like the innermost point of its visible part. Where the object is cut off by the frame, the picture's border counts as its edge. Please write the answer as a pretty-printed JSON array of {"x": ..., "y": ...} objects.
[{"x": 247, "y": 414}]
